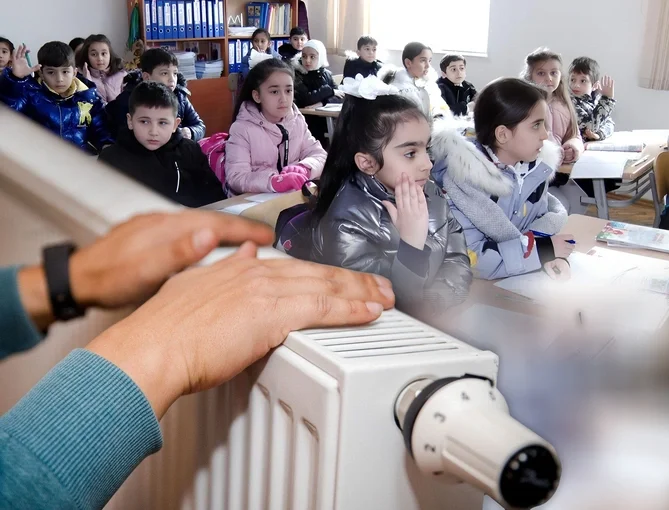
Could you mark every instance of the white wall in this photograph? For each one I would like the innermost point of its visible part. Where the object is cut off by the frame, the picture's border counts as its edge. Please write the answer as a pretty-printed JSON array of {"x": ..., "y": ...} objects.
[
  {"x": 41, "y": 21},
  {"x": 608, "y": 30}
]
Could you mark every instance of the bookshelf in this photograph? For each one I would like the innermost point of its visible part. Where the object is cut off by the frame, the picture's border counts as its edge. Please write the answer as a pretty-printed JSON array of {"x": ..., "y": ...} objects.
[{"x": 211, "y": 97}]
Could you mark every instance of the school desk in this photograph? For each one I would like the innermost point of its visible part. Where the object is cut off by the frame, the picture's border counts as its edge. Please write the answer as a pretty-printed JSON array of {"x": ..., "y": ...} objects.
[
  {"x": 263, "y": 207},
  {"x": 484, "y": 292},
  {"x": 637, "y": 180},
  {"x": 330, "y": 117}
]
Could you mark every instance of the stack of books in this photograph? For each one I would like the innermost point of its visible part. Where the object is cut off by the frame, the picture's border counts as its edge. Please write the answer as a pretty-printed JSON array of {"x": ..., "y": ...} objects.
[
  {"x": 208, "y": 69},
  {"x": 187, "y": 64}
]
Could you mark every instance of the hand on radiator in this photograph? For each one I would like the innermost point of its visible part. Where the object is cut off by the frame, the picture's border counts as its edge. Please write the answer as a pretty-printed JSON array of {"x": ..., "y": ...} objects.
[{"x": 209, "y": 323}]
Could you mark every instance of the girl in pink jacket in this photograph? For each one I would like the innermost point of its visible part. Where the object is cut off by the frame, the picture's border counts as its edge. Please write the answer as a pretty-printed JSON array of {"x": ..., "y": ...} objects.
[
  {"x": 270, "y": 148},
  {"x": 544, "y": 68},
  {"x": 99, "y": 64}
]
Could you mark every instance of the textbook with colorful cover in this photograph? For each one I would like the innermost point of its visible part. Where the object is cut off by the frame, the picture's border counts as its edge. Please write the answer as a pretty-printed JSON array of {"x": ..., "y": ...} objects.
[{"x": 625, "y": 235}]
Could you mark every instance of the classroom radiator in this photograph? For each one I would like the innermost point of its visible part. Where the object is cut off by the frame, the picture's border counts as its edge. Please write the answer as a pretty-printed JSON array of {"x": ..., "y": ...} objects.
[{"x": 394, "y": 415}]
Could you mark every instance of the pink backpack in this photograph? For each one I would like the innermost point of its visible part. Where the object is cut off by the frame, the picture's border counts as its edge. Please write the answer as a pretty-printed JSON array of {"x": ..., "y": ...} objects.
[{"x": 214, "y": 148}]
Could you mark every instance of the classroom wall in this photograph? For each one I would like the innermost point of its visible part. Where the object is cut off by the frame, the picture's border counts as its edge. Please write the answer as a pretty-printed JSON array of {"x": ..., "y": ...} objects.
[
  {"x": 610, "y": 31},
  {"x": 37, "y": 22}
]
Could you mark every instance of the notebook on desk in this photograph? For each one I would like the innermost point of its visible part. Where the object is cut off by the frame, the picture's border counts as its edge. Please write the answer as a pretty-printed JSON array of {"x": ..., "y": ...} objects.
[
  {"x": 625, "y": 235},
  {"x": 621, "y": 141},
  {"x": 330, "y": 107}
]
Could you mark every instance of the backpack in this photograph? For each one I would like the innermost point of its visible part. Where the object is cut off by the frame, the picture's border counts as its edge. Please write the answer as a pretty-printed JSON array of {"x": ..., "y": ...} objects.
[
  {"x": 294, "y": 225},
  {"x": 664, "y": 219},
  {"x": 214, "y": 148}
]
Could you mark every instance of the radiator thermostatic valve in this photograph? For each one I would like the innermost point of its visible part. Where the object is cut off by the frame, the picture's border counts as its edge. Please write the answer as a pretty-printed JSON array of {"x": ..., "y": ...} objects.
[{"x": 460, "y": 429}]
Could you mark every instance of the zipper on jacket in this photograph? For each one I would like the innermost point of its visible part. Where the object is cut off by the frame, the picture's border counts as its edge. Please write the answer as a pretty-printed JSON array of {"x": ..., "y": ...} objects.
[
  {"x": 60, "y": 116},
  {"x": 178, "y": 176}
]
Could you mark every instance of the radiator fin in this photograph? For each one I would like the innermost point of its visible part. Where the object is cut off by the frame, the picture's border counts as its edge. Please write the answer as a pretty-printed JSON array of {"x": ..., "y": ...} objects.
[{"x": 392, "y": 334}]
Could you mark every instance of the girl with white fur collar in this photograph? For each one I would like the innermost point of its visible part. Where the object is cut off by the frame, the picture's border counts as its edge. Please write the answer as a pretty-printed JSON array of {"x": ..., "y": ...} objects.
[{"x": 497, "y": 187}]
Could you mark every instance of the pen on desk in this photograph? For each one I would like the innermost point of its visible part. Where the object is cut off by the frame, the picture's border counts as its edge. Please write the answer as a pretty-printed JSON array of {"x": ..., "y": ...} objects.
[
  {"x": 641, "y": 160},
  {"x": 541, "y": 234}
]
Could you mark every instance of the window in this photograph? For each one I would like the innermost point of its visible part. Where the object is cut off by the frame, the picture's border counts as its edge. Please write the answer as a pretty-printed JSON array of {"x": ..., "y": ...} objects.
[{"x": 447, "y": 26}]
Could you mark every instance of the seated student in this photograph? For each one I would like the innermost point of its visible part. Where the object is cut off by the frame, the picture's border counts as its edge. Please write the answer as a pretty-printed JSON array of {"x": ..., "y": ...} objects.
[
  {"x": 377, "y": 210},
  {"x": 314, "y": 86},
  {"x": 497, "y": 187},
  {"x": 100, "y": 64},
  {"x": 261, "y": 42},
  {"x": 68, "y": 106},
  {"x": 594, "y": 103},
  {"x": 457, "y": 92},
  {"x": 6, "y": 50},
  {"x": 364, "y": 61},
  {"x": 153, "y": 151},
  {"x": 298, "y": 38},
  {"x": 158, "y": 64},
  {"x": 270, "y": 147},
  {"x": 593, "y": 100},
  {"x": 544, "y": 68},
  {"x": 418, "y": 80}
]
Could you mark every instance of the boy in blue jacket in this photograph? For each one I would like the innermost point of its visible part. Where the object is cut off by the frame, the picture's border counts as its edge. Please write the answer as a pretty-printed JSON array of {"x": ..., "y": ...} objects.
[
  {"x": 56, "y": 98},
  {"x": 159, "y": 65}
]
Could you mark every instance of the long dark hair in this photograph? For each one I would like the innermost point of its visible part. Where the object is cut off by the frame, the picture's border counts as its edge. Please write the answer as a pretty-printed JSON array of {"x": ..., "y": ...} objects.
[
  {"x": 504, "y": 102},
  {"x": 412, "y": 50},
  {"x": 539, "y": 56},
  {"x": 363, "y": 126},
  {"x": 115, "y": 62},
  {"x": 256, "y": 77}
]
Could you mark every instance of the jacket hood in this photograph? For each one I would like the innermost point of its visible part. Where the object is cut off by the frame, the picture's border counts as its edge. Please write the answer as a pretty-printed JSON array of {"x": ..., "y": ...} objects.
[{"x": 467, "y": 163}]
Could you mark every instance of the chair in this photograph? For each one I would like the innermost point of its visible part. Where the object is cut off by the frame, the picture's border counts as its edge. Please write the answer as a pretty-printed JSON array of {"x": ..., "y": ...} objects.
[
  {"x": 233, "y": 85},
  {"x": 661, "y": 168}
]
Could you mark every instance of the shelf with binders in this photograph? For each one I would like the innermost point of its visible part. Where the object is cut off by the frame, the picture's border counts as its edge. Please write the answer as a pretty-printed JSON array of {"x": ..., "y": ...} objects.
[{"x": 273, "y": 36}]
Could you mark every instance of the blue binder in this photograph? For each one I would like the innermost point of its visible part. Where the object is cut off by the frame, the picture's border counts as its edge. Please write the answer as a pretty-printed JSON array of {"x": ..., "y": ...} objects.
[
  {"x": 190, "y": 31},
  {"x": 175, "y": 20},
  {"x": 197, "y": 19},
  {"x": 205, "y": 19},
  {"x": 217, "y": 30},
  {"x": 181, "y": 18},
  {"x": 160, "y": 7},
  {"x": 154, "y": 20},
  {"x": 147, "y": 19},
  {"x": 167, "y": 7},
  {"x": 210, "y": 18},
  {"x": 231, "y": 57},
  {"x": 245, "y": 48},
  {"x": 221, "y": 17}
]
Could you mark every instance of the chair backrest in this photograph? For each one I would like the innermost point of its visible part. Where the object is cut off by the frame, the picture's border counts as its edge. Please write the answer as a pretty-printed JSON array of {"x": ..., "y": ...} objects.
[
  {"x": 661, "y": 167},
  {"x": 338, "y": 78},
  {"x": 233, "y": 85}
]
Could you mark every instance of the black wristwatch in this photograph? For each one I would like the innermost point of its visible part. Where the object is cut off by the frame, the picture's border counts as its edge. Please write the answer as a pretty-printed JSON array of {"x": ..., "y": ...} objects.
[{"x": 56, "y": 259}]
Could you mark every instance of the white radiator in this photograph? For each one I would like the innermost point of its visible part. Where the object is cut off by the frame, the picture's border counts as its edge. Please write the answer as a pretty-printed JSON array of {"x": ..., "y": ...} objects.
[{"x": 326, "y": 422}]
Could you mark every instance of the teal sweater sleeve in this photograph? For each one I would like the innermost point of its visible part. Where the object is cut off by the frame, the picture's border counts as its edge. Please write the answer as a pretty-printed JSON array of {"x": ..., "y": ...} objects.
[
  {"x": 75, "y": 437},
  {"x": 17, "y": 331}
]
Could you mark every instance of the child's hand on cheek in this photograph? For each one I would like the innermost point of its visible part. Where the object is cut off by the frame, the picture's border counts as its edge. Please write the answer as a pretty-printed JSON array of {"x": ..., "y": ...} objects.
[{"x": 409, "y": 215}]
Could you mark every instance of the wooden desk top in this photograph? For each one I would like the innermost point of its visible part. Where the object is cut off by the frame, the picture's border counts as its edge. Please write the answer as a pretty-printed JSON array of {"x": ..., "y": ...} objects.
[
  {"x": 320, "y": 113},
  {"x": 484, "y": 292},
  {"x": 265, "y": 212},
  {"x": 633, "y": 172}
]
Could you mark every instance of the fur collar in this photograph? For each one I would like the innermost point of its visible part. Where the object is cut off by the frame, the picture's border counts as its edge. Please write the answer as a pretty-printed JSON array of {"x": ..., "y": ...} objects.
[
  {"x": 401, "y": 79},
  {"x": 466, "y": 163}
]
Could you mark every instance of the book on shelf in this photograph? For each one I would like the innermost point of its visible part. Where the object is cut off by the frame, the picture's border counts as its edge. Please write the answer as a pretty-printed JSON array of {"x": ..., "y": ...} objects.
[
  {"x": 626, "y": 235},
  {"x": 276, "y": 18},
  {"x": 184, "y": 19}
]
